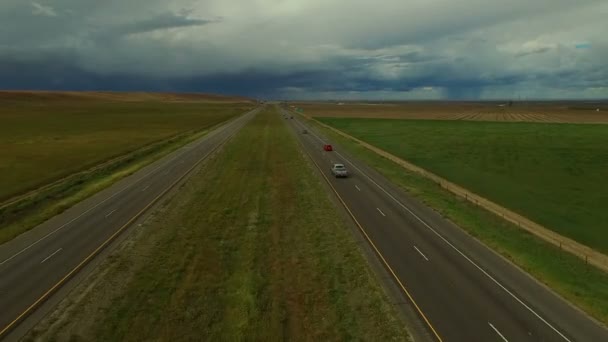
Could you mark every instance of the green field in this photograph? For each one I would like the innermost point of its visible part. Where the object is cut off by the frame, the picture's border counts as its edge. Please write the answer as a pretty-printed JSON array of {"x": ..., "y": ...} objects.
[
  {"x": 251, "y": 248},
  {"x": 554, "y": 174},
  {"x": 42, "y": 141},
  {"x": 581, "y": 284},
  {"x": 56, "y": 149}
]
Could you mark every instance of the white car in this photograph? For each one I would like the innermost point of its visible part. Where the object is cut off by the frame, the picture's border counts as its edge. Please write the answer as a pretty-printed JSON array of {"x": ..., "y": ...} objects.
[{"x": 339, "y": 170}]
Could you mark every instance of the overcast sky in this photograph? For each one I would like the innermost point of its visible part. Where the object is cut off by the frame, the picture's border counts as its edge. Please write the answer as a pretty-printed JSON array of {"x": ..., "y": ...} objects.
[{"x": 384, "y": 49}]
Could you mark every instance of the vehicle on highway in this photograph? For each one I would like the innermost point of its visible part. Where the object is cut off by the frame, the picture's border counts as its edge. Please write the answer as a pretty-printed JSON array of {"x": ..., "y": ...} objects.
[
  {"x": 304, "y": 131},
  {"x": 339, "y": 170},
  {"x": 328, "y": 147}
]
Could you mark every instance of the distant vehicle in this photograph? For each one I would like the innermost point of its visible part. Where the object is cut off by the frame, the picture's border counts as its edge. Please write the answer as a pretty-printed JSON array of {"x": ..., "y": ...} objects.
[
  {"x": 339, "y": 170},
  {"x": 291, "y": 117},
  {"x": 304, "y": 131},
  {"x": 328, "y": 147}
]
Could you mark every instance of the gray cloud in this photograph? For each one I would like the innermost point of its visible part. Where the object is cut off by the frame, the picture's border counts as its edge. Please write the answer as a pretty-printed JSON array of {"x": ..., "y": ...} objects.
[
  {"x": 163, "y": 21},
  {"x": 310, "y": 48},
  {"x": 40, "y": 9}
]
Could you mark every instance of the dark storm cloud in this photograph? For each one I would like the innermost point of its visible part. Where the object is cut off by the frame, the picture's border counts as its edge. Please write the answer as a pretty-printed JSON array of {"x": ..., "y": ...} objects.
[{"x": 464, "y": 49}]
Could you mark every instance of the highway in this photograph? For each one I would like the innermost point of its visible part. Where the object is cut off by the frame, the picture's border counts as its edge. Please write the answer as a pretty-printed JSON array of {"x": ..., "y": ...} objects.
[
  {"x": 460, "y": 289},
  {"x": 36, "y": 264}
]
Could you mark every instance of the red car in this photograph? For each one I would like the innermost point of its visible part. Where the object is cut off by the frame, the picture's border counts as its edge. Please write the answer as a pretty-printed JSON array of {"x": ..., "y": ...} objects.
[{"x": 327, "y": 147}]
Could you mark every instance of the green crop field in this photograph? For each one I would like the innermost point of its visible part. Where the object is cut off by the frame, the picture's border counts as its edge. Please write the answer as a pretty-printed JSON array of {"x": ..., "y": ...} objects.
[
  {"x": 251, "y": 248},
  {"x": 568, "y": 275},
  {"x": 57, "y": 149},
  {"x": 554, "y": 174},
  {"x": 42, "y": 141}
]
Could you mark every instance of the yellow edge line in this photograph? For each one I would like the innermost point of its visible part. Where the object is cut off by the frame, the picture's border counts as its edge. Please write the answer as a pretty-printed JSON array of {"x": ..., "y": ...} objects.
[
  {"x": 407, "y": 293},
  {"x": 78, "y": 267}
]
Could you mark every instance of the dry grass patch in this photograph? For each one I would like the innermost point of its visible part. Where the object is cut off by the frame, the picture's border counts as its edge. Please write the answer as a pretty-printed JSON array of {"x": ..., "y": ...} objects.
[{"x": 575, "y": 112}]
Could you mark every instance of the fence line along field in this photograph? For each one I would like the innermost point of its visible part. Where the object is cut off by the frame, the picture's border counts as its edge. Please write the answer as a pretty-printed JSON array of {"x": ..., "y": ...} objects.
[
  {"x": 553, "y": 174},
  {"x": 557, "y": 112},
  {"x": 45, "y": 136},
  {"x": 569, "y": 275}
]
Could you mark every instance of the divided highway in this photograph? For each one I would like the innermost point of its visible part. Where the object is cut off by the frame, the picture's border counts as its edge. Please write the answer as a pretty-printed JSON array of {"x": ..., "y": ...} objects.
[
  {"x": 460, "y": 289},
  {"x": 37, "y": 263}
]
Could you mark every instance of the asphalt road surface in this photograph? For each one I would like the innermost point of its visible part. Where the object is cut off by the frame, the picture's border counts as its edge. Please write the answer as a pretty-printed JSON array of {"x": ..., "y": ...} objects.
[
  {"x": 460, "y": 289},
  {"x": 39, "y": 262}
]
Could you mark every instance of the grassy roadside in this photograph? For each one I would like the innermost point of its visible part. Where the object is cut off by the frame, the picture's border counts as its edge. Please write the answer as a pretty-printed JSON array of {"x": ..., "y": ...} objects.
[
  {"x": 572, "y": 278},
  {"x": 251, "y": 248},
  {"x": 27, "y": 213},
  {"x": 42, "y": 142}
]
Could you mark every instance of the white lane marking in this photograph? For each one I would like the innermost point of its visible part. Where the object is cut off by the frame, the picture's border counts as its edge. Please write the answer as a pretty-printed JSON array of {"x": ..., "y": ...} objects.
[
  {"x": 455, "y": 248},
  {"x": 50, "y": 256},
  {"x": 380, "y": 212},
  {"x": 424, "y": 256},
  {"x": 498, "y": 332},
  {"x": 111, "y": 212},
  {"x": 357, "y": 188},
  {"x": 207, "y": 138},
  {"x": 145, "y": 188}
]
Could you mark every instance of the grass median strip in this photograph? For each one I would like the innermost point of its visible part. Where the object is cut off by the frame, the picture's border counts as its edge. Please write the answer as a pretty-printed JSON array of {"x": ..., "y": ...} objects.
[
  {"x": 251, "y": 248},
  {"x": 568, "y": 275}
]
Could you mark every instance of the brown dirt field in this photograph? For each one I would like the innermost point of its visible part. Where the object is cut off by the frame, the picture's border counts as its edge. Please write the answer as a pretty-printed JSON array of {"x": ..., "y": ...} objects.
[
  {"x": 20, "y": 95},
  {"x": 558, "y": 112},
  {"x": 525, "y": 117}
]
